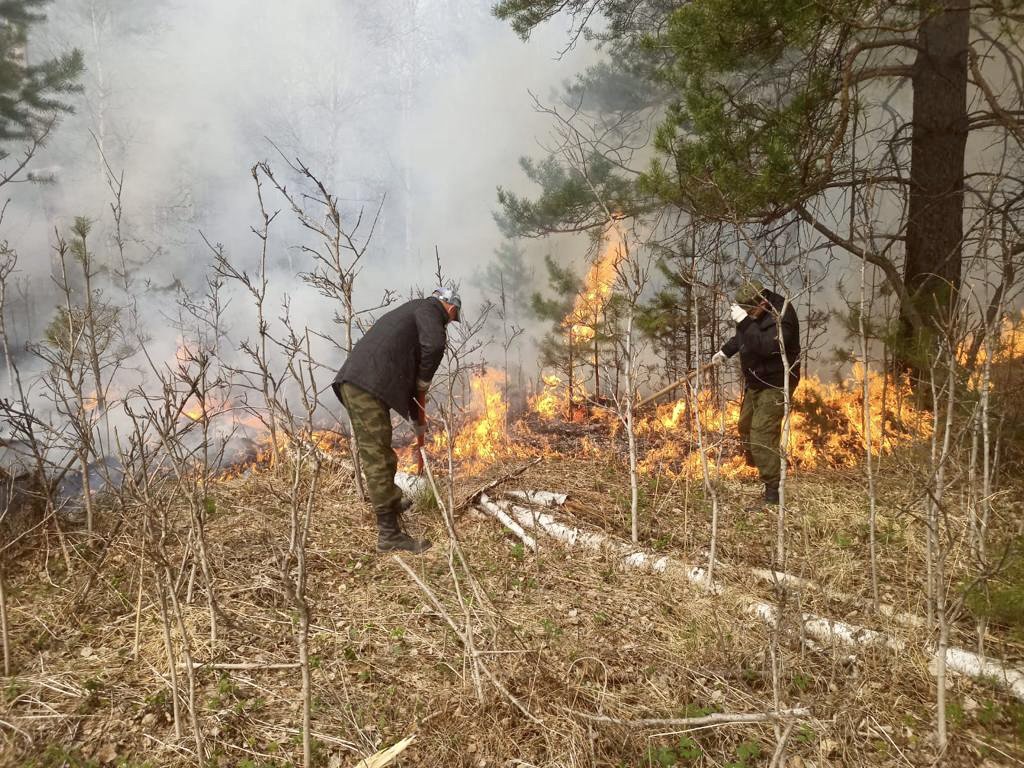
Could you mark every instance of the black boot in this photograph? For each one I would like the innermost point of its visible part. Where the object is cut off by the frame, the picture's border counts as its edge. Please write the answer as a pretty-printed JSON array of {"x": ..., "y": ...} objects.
[
  {"x": 391, "y": 537},
  {"x": 771, "y": 493}
]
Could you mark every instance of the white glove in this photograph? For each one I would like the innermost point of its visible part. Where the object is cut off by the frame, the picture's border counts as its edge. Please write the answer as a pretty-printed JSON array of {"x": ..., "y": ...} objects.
[
  {"x": 739, "y": 314},
  {"x": 718, "y": 358}
]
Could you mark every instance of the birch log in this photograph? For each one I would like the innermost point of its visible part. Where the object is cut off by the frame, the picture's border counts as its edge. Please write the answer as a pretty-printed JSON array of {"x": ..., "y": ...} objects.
[
  {"x": 541, "y": 498},
  {"x": 821, "y": 628},
  {"x": 502, "y": 517},
  {"x": 411, "y": 485}
]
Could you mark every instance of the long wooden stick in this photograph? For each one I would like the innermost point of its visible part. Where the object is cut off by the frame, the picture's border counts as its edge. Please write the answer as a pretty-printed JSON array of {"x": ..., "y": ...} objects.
[
  {"x": 719, "y": 718},
  {"x": 665, "y": 390}
]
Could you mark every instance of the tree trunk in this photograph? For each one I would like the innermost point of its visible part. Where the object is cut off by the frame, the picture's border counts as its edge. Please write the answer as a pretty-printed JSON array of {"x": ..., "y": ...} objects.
[{"x": 935, "y": 220}]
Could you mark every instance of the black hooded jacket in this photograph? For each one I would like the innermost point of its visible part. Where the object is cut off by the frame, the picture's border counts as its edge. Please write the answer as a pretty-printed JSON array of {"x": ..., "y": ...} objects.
[
  {"x": 757, "y": 341},
  {"x": 403, "y": 346}
]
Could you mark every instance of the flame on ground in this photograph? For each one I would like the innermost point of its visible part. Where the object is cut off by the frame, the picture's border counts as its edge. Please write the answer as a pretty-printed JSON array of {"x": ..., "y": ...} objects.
[
  {"x": 553, "y": 402},
  {"x": 485, "y": 439},
  {"x": 826, "y": 426}
]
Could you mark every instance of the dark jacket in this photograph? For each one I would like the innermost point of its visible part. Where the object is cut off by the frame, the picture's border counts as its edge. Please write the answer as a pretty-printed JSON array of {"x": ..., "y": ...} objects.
[
  {"x": 757, "y": 341},
  {"x": 404, "y": 345}
]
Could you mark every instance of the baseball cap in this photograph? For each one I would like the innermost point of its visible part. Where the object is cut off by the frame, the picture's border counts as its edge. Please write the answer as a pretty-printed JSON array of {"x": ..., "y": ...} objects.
[{"x": 449, "y": 296}]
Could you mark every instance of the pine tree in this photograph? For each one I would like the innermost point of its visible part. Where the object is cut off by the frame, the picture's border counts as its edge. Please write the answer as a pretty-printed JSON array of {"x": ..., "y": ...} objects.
[
  {"x": 667, "y": 320},
  {"x": 31, "y": 95},
  {"x": 507, "y": 273},
  {"x": 763, "y": 103}
]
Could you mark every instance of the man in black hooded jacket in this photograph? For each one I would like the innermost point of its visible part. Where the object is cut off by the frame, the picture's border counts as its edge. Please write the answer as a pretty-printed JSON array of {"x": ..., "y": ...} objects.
[
  {"x": 390, "y": 368},
  {"x": 763, "y": 317}
]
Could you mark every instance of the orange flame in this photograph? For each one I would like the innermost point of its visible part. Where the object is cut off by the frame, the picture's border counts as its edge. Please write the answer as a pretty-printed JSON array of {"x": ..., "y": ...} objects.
[
  {"x": 582, "y": 321},
  {"x": 552, "y": 402},
  {"x": 826, "y": 426},
  {"x": 486, "y": 437}
]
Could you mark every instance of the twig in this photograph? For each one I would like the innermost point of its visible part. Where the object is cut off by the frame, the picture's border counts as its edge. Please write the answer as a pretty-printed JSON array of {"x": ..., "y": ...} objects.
[
  {"x": 444, "y": 614},
  {"x": 780, "y": 749},
  {"x": 472, "y": 497},
  {"x": 254, "y": 665},
  {"x": 719, "y": 718}
]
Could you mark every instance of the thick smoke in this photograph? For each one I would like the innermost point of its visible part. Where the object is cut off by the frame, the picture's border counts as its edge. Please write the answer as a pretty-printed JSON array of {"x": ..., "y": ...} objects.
[{"x": 420, "y": 109}]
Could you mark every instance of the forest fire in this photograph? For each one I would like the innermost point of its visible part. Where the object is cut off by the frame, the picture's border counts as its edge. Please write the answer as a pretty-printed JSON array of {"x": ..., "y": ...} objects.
[
  {"x": 583, "y": 320},
  {"x": 826, "y": 427},
  {"x": 481, "y": 441},
  {"x": 546, "y": 403},
  {"x": 485, "y": 438},
  {"x": 553, "y": 401}
]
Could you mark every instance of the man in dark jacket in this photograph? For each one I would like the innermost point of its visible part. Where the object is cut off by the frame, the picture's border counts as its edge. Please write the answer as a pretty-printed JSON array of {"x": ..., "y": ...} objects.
[
  {"x": 762, "y": 317},
  {"x": 390, "y": 368}
]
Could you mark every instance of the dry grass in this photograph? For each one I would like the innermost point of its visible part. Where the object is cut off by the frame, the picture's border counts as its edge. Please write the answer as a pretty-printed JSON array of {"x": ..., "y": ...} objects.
[{"x": 565, "y": 632}]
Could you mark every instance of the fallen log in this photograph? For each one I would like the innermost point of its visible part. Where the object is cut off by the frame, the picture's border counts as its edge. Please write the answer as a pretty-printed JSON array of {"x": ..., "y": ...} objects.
[
  {"x": 550, "y": 499},
  {"x": 499, "y": 514},
  {"x": 413, "y": 485},
  {"x": 472, "y": 497},
  {"x": 502, "y": 517},
  {"x": 541, "y": 498},
  {"x": 410, "y": 485},
  {"x": 798, "y": 582},
  {"x": 958, "y": 660}
]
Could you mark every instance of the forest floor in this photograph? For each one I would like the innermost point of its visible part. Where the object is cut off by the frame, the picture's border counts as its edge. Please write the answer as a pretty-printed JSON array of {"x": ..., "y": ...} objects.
[{"x": 569, "y": 633}]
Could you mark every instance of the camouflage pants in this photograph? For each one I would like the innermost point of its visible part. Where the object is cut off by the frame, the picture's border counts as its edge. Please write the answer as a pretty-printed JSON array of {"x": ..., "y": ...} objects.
[
  {"x": 760, "y": 429},
  {"x": 371, "y": 425}
]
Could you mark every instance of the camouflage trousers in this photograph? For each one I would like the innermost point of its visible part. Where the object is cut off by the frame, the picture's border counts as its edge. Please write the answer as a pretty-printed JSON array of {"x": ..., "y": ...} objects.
[
  {"x": 760, "y": 429},
  {"x": 371, "y": 425}
]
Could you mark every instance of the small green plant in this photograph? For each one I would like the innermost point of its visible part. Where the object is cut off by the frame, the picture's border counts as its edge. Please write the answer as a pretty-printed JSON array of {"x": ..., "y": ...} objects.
[
  {"x": 746, "y": 752},
  {"x": 954, "y": 714},
  {"x": 805, "y": 734},
  {"x": 226, "y": 686},
  {"x": 988, "y": 713},
  {"x": 518, "y": 551},
  {"x": 551, "y": 629},
  {"x": 1015, "y": 714},
  {"x": 801, "y": 682},
  {"x": 1001, "y": 598},
  {"x": 686, "y": 751},
  {"x": 842, "y": 540},
  {"x": 663, "y": 756}
]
